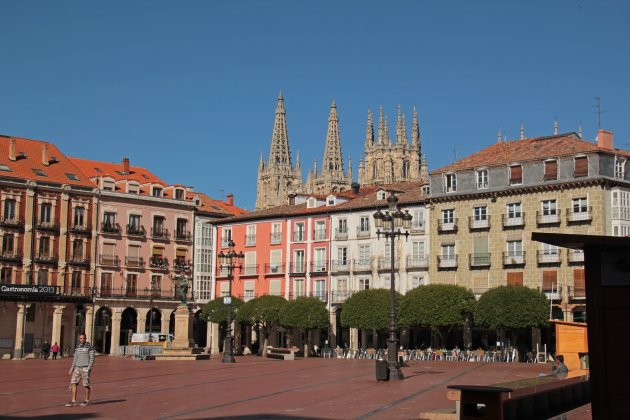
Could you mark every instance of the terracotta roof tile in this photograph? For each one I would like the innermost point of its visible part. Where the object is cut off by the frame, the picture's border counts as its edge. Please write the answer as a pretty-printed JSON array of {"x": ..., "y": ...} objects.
[
  {"x": 95, "y": 168},
  {"x": 61, "y": 169},
  {"x": 525, "y": 150},
  {"x": 211, "y": 205}
]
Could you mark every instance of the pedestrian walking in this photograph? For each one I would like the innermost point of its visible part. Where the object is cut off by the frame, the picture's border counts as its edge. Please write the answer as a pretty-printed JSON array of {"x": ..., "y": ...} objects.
[
  {"x": 46, "y": 350},
  {"x": 81, "y": 367},
  {"x": 54, "y": 349}
]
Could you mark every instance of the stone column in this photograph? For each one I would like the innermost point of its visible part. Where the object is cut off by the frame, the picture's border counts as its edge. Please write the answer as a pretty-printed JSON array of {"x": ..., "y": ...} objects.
[
  {"x": 354, "y": 339},
  {"x": 19, "y": 330},
  {"x": 166, "y": 320},
  {"x": 115, "y": 337},
  {"x": 209, "y": 336},
  {"x": 332, "y": 329},
  {"x": 56, "y": 325},
  {"x": 141, "y": 320},
  {"x": 214, "y": 337},
  {"x": 89, "y": 323}
]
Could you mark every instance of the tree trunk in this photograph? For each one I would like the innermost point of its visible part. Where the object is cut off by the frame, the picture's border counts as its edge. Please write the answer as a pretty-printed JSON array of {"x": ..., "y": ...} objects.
[
  {"x": 265, "y": 334},
  {"x": 307, "y": 343},
  {"x": 467, "y": 332}
]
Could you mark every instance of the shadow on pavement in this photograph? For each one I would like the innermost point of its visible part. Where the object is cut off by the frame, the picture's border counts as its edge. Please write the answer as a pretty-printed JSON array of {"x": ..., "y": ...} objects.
[
  {"x": 106, "y": 402},
  {"x": 264, "y": 416},
  {"x": 55, "y": 416}
]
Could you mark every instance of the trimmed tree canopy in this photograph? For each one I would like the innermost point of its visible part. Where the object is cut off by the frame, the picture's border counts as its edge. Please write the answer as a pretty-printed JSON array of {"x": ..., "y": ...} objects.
[
  {"x": 216, "y": 311},
  {"x": 305, "y": 313},
  {"x": 368, "y": 309},
  {"x": 263, "y": 310},
  {"x": 436, "y": 305},
  {"x": 512, "y": 307}
]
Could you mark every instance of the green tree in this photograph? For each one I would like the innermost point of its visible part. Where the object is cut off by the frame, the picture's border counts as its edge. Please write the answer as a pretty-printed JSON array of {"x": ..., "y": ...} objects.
[
  {"x": 262, "y": 312},
  {"x": 305, "y": 314},
  {"x": 437, "y": 306},
  {"x": 216, "y": 311},
  {"x": 368, "y": 309},
  {"x": 511, "y": 308}
]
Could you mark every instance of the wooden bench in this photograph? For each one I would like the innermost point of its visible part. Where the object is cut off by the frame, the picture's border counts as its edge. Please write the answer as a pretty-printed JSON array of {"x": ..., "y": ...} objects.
[
  {"x": 282, "y": 353},
  {"x": 540, "y": 397}
]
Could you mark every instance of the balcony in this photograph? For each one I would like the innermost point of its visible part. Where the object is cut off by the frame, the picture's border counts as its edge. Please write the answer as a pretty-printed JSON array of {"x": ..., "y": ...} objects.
[
  {"x": 134, "y": 293},
  {"x": 362, "y": 265},
  {"x": 46, "y": 258},
  {"x": 340, "y": 266},
  {"x": 159, "y": 234},
  {"x": 158, "y": 263},
  {"x": 417, "y": 228},
  {"x": 134, "y": 262},
  {"x": 298, "y": 268},
  {"x": 275, "y": 238},
  {"x": 447, "y": 227},
  {"x": 341, "y": 234},
  {"x": 319, "y": 266},
  {"x": 319, "y": 294},
  {"x": 514, "y": 258},
  {"x": 250, "y": 270},
  {"x": 110, "y": 228},
  {"x": 12, "y": 223},
  {"x": 79, "y": 260},
  {"x": 447, "y": 261},
  {"x": 183, "y": 236},
  {"x": 479, "y": 260},
  {"x": 274, "y": 268},
  {"x": 81, "y": 229},
  {"x": 575, "y": 256},
  {"x": 319, "y": 234},
  {"x": 417, "y": 263},
  {"x": 47, "y": 226},
  {"x": 514, "y": 220},
  {"x": 580, "y": 215},
  {"x": 225, "y": 242},
  {"x": 109, "y": 260},
  {"x": 136, "y": 230},
  {"x": 363, "y": 232},
  {"x": 250, "y": 240},
  {"x": 476, "y": 223},
  {"x": 339, "y": 296},
  {"x": 298, "y": 236},
  {"x": 547, "y": 219},
  {"x": 386, "y": 264},
  {"x": 10, "y": 256},
  {"x": 552, "y": 292},
  {"x": 546, "y": 257},
  {"x": 180, "y": 264}
]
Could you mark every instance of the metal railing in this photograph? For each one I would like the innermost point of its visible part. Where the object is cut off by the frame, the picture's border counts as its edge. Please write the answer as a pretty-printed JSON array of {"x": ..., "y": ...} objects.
[
  {"x": 447, "y": 261},
  {"x": 78, "y": 260},
  {"x": 545, "y": 257},
  {"x": 110, "y": 228},
  {"x": 183, "y": 235},
  {"x": 123, "y": 292},
  {"x": 46, "y": 257},
  {"x": 513, "y": 220},
  {"x": 12, "y": 222},
  {"x": 109, "y": 260},
  {"x": 133, "y": 230},
  {"x": 362, "y": 265},
  {"x": 547, "y": 219},
  {"x": 249, "y": 270},
  {"x": 139, "y": 352},
  {"x": 575, "y": 256},
  {"x": 386, "y": 264},
  {"x": 341, "y": 233},
  {"x": 134, "y": 262},
  {"x": 514, "y": 258},
  {"x": 298, "y": 268},
  {"x": 477, "y": 223},
  {"x": 298, "y": 236},
  {"x": 480, "y": 259},
  {"x": 319, "y": 234},
  {"x": 417, "y": 262},
  {"x": 277, "y": 268},
  {"x": 340, "y": 266},
  {"x": 250, "y": 240},
  {"x": 363, "y": 232},
  {"x": 584, "y": 214},
  {"x": 181, "y": 264},
  {"x": 47, "y": 225},
  {"x": 81, "y": 228},
  {"x": 447, "y": 227},
  {"x": 275, "y": 237},
  {"x": 159, "y": 263},
  {"x": 10, "y": 256},
  {"x": 159, "y": 233},
  {"x": 319, "y": 266}
]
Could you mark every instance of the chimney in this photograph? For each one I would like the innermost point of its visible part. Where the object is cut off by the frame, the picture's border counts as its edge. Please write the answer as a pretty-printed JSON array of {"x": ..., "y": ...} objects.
[
  {"x": 605, "y": 139},
  {"x": 355, "y": 187},
  {"x": 45, "y": 160},
  {"x": 230, "y": 199},
  {"x": 12, "y": 150},
  {"x": 125, "y": 165}
]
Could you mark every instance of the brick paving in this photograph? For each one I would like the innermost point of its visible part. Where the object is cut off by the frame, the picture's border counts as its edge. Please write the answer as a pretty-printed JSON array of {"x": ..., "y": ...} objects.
[{"x": 252, "y": 388}]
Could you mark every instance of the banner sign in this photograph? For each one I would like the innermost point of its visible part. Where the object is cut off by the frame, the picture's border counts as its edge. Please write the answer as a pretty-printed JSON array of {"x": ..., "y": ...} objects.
[{"x": 28, "y": 290}]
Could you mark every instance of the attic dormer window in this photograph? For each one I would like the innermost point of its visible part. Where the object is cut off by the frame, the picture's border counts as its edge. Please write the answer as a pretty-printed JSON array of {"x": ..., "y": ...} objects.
[
  {"x": 450, "y": 183},
  {"x": 39, "y": 172},
  {"x": 72, "y": 177},
  {"x": 380, "y": 195},
  {"x": 5, "y": 168},
  {"x": 179, "y": 194},
  {"x": 157, "y": 192},
  {"x": 133, "y": 188},
  {"x": 330, "y": 201},
  {"x": 311, "y": 203},
  {"x": 516, "y": 175}
]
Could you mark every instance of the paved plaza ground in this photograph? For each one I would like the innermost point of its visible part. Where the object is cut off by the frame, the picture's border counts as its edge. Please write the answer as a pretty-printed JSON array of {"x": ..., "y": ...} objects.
[{"x": 252, "y": 388}]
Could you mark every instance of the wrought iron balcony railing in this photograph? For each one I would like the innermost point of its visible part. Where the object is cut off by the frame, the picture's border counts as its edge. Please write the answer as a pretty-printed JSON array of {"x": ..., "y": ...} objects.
[
  {"x": 159, "y": 233},
  {"x": 134, "y": 262},
  {"x": 547, "y": 219},
  {"x": 478, "y": 223},
  {"x": 110, "y": 228},
  {"x": 109, "y": 260},
  {"x": 136, "y": 230}
]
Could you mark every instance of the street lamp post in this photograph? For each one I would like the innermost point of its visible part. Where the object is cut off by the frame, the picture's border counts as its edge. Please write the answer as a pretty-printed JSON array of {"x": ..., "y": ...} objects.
[
  {"x": 391, "y": 223},
  {"x": 229, "y": 261}
]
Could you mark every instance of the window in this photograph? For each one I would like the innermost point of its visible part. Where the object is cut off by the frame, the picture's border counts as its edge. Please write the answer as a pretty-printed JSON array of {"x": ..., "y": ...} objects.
[
  {"x": 418, "y": 220},
  {"x": 448, "y": 252},
  {"x": 106, "y": 284},
  {"x": 620, "y": 165},
  {"x": 7, "y": 244},
  {"x": 551, "y": 170},
  {"x": 39, "y": 172},
  {"x": 480, "y": 213},
  {"x": 330, "y": 201},
  {"x": 72, "y": 177},
  {"x": 515, "y": 278},
  {"x": 275, "y": 258},
  {"x": 364, "y": 224},
  {"x": 131, "y": 288},
  {"x": 181, "y": 228},
  {"x": 320, "y": 230},
  {"x": 158, "y": 226},
  {"x": 76, "y": 280},
  {"x": 250, "y": 235},
  {"x": 109, "y": 220},
  {"x": 515, "y": 248},
  {"x": 226, "y": 237},
  {"x": 44, "y": 246},
  {"x": 79, "y": 216},
  {"x": 298, "y": 232},
  {"x": 579, "y": 283},
  {"x": 580, "y": 166},
  {"x": 9, "y": 210},
  {"x": 45, "y": 213},
  {"x": 450, "y": 183},
  {"x": 550, "y": 281},
  {"x": 42, "y": 277},
  {"x": 298, "y": 262},
  {"x": 482, "y": 179},
  {"x": 548, "y": 249},
  {"x": 514, "y": 211},
  {"x": 6, "y": 275},
  {"x": 516, "y": 175},
  {"x": 298, "y": 288},
  {"x": 179, "y": 194},
  {"x": 418, "y": 250},
  {"x": 549, "y": 207},
  {"x": 343, "y": 226},
  {"x": 364, "y": 284},
  {"x": 251, "y": 268},
  {"x": 133, "y": 188},
  {"x": 364, "y": 254},
  {"x": 320, "y": 289},
  {"x": 156, "y": 283},
  {"x": 580, "y": 205},
  {"x": 276, "y": 233},
  {"x": 342, "y": 255},
  {"x": 157, "y": 192},
  {"x": 381, "y": 195},
  {"x": 319, "y": 263},
  {"x": 5, "y": 168},
  {"x": 448, "y": 216},
  {"x": 77, "y": 249}
]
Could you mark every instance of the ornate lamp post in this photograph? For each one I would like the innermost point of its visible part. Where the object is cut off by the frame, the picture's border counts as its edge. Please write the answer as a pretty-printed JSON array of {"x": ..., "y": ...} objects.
[
  {"x": 229, "y": 261},
  {"x": 389, "y": 225}
]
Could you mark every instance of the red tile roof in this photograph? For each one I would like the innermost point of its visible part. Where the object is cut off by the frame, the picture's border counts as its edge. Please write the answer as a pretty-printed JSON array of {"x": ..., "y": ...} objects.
[
  {"x": 210, "y": 205},
  {"x": 31, "y": 159},
  {"x": 528, "y": 149},
  {"x": 95, "y": 168}
]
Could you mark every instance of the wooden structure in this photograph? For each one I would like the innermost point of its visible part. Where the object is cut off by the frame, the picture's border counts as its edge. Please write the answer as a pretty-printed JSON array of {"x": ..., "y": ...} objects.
[
  {"x": 607, "y": 265},
  {"x": 571, "y": 340}
]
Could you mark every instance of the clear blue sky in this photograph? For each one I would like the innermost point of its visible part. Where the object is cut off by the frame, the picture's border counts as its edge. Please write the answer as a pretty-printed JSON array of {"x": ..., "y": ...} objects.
[{"x": 188, "y": 88}]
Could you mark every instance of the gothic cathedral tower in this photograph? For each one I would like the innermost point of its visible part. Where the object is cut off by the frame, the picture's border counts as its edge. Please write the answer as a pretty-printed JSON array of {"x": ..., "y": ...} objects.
[{"x": 279, "y": 177}]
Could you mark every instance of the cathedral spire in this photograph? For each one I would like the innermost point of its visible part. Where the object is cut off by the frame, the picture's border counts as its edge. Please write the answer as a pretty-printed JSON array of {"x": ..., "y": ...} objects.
[
  {"x": 350, "y": 169},
  {"x": 280, "y": 155},
  {"x": 381, "y": 126},
  {"x": 499, "y": 136},
  {"x": 415, "y": 130},
  {"x": 522, "y": 131},
  {"x": 555, "y": 126},
  {"x": 261, "y": 164},
  {"x": 333, "y": 161},
  {"x": 401, "y": 130},
  {"x": 369, "y": 131},
  {"x": 386, "y": 140}
]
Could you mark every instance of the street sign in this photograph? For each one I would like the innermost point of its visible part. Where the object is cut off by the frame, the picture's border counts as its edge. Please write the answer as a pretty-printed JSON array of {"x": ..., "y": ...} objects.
[{"x": 227, "y": 300}]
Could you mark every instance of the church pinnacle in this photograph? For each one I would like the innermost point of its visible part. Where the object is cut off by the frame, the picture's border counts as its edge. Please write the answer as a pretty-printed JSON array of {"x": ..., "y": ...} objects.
[
  {"x": 369, "y": 131},
  {"x": 280, "y": 155},
  {"x": 401, "y": 130},
  {"x": 332, "y": 161},
  {"x": 415, "y": 130}
]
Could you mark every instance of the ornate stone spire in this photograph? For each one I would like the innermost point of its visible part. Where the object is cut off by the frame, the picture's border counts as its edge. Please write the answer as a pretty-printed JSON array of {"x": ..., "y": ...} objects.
[
  {"x": 386, "y": 140},
  {"x": 381, "y": 126},
  {"x": 555, "y": 126},
  {"x": 580, "y": 130},
  {"x": 499, "y": 136},
  {"x": 280, "y": 155},
  {"x": 369, "y": 131},
  {"x": 401, "y": 130},
  {"x": 261, "y": 164},
  {"x": 350, "y": 169},
  {"x": 415, "y": 130},
  {"x": 522, "y": 131},
  {"x": 333, "y": 161}
]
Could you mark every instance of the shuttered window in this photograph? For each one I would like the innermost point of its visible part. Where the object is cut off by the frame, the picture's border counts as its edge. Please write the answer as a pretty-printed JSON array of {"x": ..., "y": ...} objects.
[
  {"x": 581, "y": 166},
  {"x": 274, "y": 287},
  {"x": 551, "y": 170},
  {"x": 550, "y": 281},
  {"x": 516, "y": 174},
  {"x": 515, "y": 279},
  {"x": 579, "y": 283}
]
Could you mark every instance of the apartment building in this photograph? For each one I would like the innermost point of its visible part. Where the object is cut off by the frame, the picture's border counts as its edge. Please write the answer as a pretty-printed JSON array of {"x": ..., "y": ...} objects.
[{"x": 485, "y": 207}]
